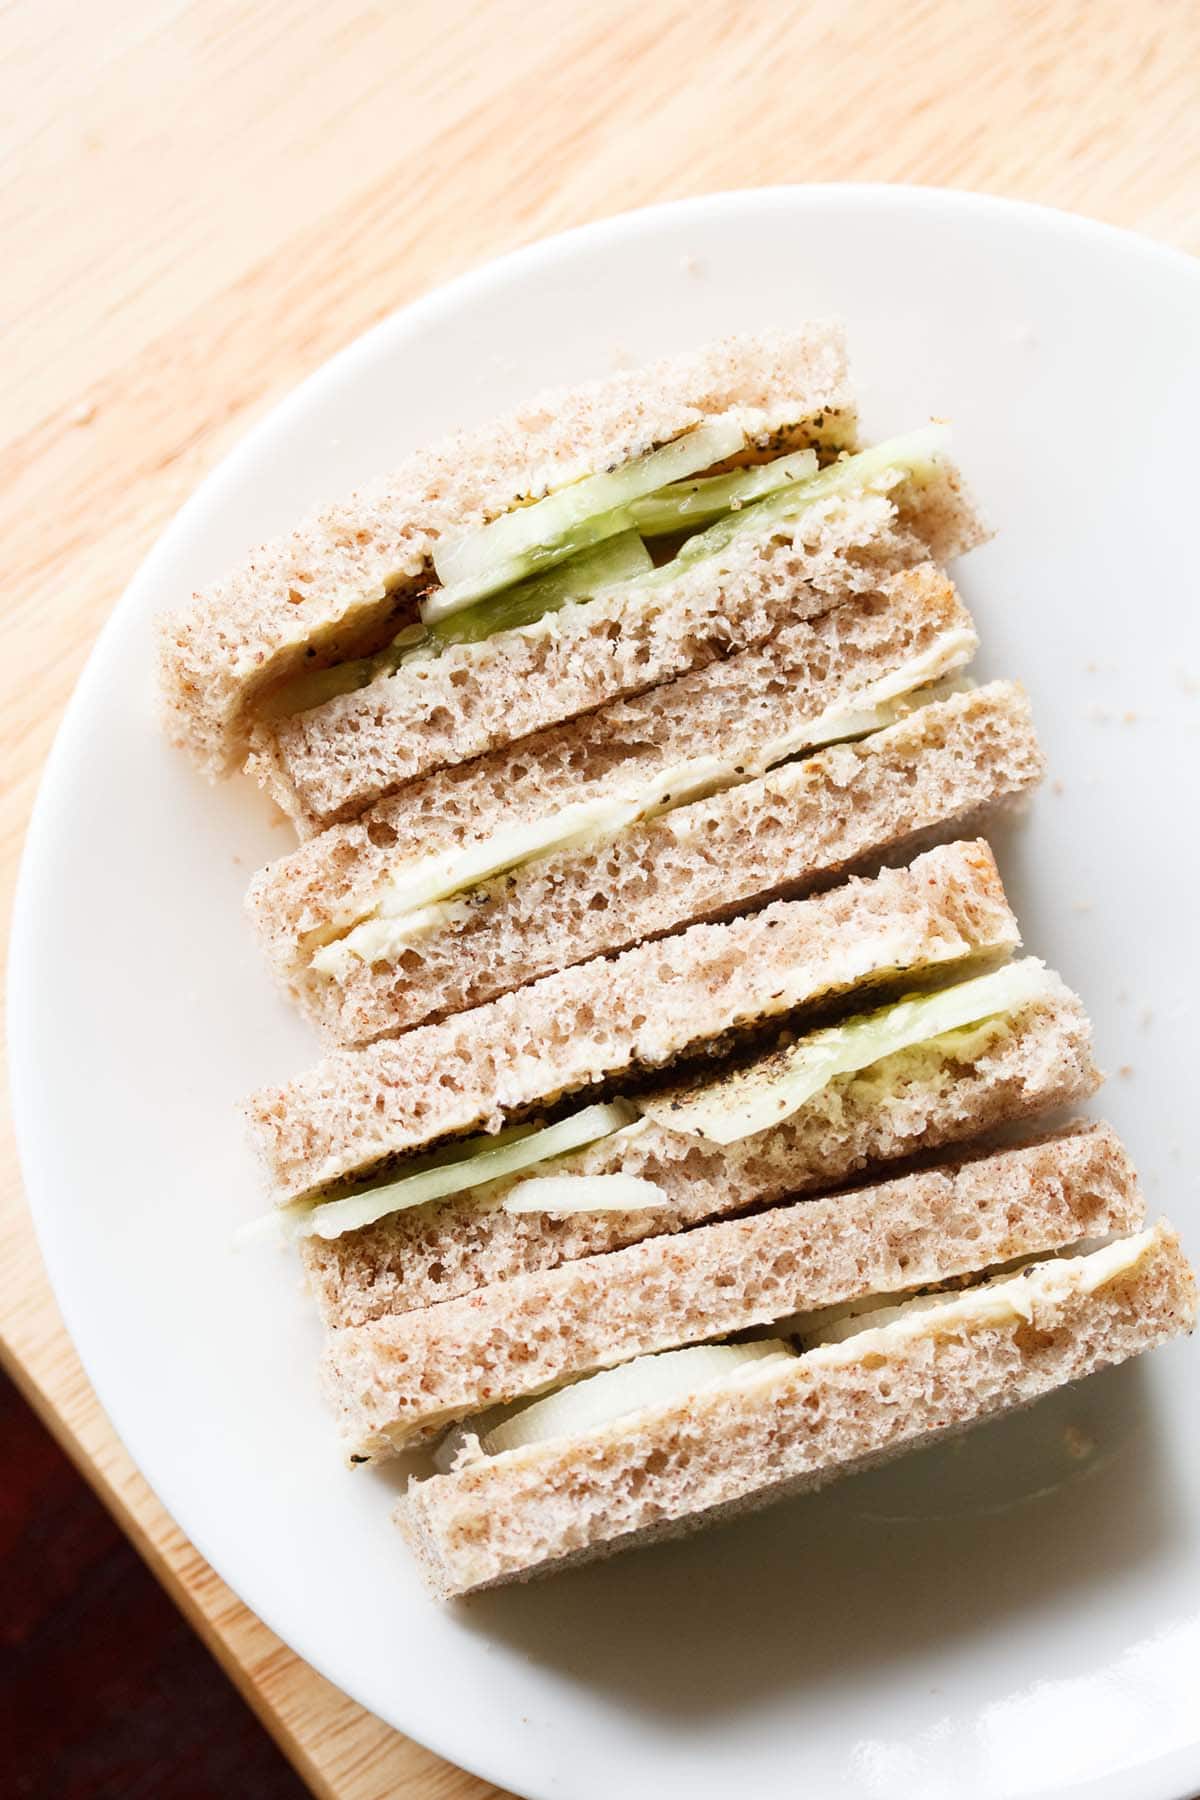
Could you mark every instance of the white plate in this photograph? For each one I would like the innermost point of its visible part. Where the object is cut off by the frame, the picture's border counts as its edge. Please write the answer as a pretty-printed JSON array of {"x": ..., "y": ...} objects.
[{"x": 1001, "y": 1619}]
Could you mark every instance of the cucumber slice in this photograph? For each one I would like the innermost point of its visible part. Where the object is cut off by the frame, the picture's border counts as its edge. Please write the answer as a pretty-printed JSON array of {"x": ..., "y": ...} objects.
[
  {"x": 767, "y": 1092},
  {"x": 456, "y": 1170},
  {"x": 584, "y": 1194},
  {"x": 411, "y": 903},
  {"x": 686, "y": 505},
  {"x": 996, "y": 1300},
  {"x": 605, "y": 550},
  {"x": 616, "y": 559},
  {"x": 446, "y": 602},
  {"x": 422, "y": 884},
  {"x": 919, "y": 682},
  {"x": 533, "y": 538},
  {"x": 655, "y": 1380},
  {"x": 613, "y": 560},
  {"x": 917, "y": 453}
]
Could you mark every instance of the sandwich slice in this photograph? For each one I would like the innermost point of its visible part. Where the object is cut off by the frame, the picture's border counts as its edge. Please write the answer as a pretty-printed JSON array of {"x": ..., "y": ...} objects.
[
  {"x": 597, "y": 543},
  {"x": 908, "y": 1078},
  {"x": 684, "y": 1437},
  {"x": 692, "y": 997},
  {"x": 401, "y": 1378},
  {"x": 692, "y": 802},
  {"x": 614, "y": 621},
  {"x": 346, "y": 581}
]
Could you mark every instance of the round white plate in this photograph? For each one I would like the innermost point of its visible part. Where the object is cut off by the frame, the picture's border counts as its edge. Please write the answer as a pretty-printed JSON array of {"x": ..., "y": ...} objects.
[{"x": 1017, "y": 1616}]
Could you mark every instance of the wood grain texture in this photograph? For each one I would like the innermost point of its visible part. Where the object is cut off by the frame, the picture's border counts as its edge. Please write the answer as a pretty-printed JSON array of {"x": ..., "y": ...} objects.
[{"x": 200, "y": 200}]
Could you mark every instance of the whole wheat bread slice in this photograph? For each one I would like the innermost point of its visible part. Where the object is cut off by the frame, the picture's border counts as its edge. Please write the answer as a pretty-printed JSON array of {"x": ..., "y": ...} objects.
[
  {"x": 401, "y": 1378},
  {"x": 331, "y": 762},
  {"x": 640, "y": 1010},
  {"x": 670, "y": 1469},
  {"x": 343, "y": 581},
  {"x": 920, "y": 1100},
  {"x": 780, "y": 834}
]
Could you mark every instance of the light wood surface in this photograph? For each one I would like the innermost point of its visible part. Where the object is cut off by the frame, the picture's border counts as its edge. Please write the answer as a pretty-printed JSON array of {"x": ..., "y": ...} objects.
[{"x": 200, "y": 200}]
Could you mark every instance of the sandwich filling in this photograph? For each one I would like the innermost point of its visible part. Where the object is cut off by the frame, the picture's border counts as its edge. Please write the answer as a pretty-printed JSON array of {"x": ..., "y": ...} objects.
[
  {"x": 611, "y": 563},
  {"x": 518, "y": 570},
  {"x": 752, "y": 1099},
  {"x": 530, "y": 539},
  {"x": 419, "y": 898},
  {"x": 866, "y": 1330},
  {"x": 756, "y": 1097},
  {"x": 646, "y": 1381}
]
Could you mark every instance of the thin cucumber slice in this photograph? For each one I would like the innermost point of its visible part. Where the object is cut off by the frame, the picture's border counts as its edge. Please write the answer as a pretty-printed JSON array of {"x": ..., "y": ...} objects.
[
  {"x": 998, "y": 1299},
  {"x": 405, "y": 905},
  {"x": 777, "y": 490},
  {"x": 655, "y": 1380},
  {"x": 486, "y": 1159},
  {"x": 916, "y": 453},
  {"x": 920, "y": 681},
  {"x": 687, "y": 505},
  {"x": 613, "y": 560},
  {"x": 767, "y": 1092},
  {"x": 533, "y": 538},
  {"x": 584, "y": 1194},
  {"x": 532, "y": 592}
]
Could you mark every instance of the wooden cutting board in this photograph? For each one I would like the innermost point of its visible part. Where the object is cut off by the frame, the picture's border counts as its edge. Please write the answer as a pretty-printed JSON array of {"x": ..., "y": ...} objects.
[{"x": 201, "y": 201}]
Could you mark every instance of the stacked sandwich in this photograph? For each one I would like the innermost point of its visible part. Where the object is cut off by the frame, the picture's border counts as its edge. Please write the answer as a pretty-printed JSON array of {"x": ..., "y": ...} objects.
[{"x": 672, "y": 1005}]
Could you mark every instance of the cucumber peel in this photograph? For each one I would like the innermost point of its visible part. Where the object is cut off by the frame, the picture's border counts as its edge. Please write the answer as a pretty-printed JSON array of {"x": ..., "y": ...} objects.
[
  {"x": 314, "y": 687},
  {"x": 687, "y": 505},
  {"x": 617, "y": 558},
  {"x": 603, "y": 549}
]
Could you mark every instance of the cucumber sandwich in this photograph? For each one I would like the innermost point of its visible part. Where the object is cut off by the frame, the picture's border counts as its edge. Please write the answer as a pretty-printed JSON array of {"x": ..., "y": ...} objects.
[
  {"x": 401, "y": 1378},
  {"x": 597, "y": 543},
  {"x": 679, "y": 1438},
  {"x": 839, "y": 740},
  {"x": 912, "y": 1075},
  {"x": 697, "y": 997},
  {"x": 688, "y": 1078}
]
